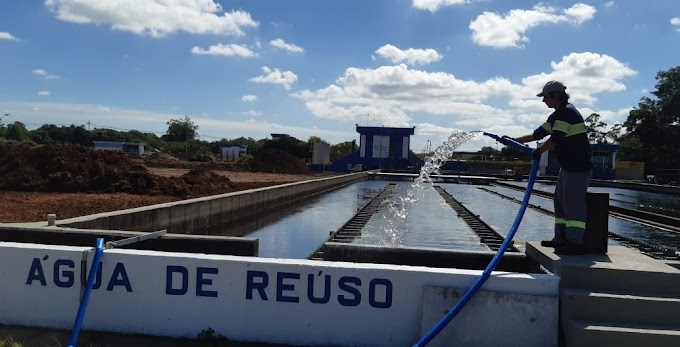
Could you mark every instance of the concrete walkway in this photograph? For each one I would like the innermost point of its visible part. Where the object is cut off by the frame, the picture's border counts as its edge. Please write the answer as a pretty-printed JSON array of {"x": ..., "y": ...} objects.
[{"x": 622, "y": 298}]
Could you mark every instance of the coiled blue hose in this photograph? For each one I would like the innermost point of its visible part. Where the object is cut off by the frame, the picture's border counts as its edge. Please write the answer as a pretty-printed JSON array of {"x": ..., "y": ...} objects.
[
  {"x": 99, "y": 251},
  {"x": 496, "y": 259}
]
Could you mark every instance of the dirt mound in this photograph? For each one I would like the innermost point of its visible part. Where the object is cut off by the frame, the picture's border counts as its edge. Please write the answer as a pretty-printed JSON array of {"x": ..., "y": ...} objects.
[
  {"x": 205, "y": 182},
  {"x": 74, "y": 168},
  {"x": 278, "y": 161}
]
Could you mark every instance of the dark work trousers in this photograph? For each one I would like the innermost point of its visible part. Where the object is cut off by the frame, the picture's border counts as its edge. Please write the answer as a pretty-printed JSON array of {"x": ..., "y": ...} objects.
[{"x": 570, "y": 205}]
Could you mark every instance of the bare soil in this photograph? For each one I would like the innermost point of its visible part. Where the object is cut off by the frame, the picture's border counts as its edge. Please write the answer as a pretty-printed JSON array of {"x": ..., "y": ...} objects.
[{"x": 72, "y": 181}]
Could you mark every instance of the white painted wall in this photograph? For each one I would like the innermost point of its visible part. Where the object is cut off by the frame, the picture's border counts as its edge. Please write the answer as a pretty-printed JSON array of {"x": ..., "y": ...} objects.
[
  {"x": 362, "y": 146},
  {"x": 140, "y": 293},
  {"x": 321, "y": 153},
  {"x": 381, "y": 146},
  {"x": 405, "y": 147}
]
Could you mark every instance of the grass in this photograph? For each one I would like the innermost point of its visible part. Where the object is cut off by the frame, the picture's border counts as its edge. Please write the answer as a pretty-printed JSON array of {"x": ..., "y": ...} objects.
[{"x": 9, "y": 343}]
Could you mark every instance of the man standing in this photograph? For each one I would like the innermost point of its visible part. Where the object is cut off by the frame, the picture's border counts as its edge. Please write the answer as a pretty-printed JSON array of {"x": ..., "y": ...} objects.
[{"x": 569, "y": 140}]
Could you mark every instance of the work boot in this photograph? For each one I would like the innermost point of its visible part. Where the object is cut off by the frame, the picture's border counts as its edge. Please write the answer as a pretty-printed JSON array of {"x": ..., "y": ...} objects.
[
  {"x": 553, "y": 243},
  {"x": 571, "y": 249}
]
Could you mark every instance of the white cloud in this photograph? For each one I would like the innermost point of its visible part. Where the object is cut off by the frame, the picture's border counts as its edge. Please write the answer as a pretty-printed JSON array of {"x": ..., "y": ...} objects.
[
  {"x": 410, "y": 56},
  {"x": 225, "y": 50},
  {"x": 43, "y": 73},
  {"x": 252, "y": 114},
  {"x": 7, "y": 36},
  {"x": 275, "y": 76},
  {"x": 579, "y": 13},
  {"x": 676, "y": 22},
  {"x": 44, "y": 93},
  {"x": 609, "y": 4},
  {"x": 281, "y": 44},
  {"x": 494, "y": 30},
  {"x": 390, "y": 94},
  {"x": 434, "y": 5},
  {"x": 400, "y": 96},
  {"x": 428, "y": 129},
  {"x": 585, "y": 74},
  {"x": 249, "y": 98},
  {"x": 154, "y": 18}
]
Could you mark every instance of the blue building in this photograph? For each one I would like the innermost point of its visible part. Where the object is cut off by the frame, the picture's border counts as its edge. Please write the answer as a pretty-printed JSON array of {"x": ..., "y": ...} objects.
[{"x": 382, "y": 148}]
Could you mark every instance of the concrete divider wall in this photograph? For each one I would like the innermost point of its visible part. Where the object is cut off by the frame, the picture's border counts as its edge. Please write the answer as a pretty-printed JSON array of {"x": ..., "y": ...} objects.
[
  {"x": 189, "y": 216},
  {"x": 225, "y": 245},
  {"x": 251, "y": 299}
]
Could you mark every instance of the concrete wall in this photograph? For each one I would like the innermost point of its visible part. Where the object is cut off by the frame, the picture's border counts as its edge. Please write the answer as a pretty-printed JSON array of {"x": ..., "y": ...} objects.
[
  {"x": 195, "y": 215},
  {"x": 298, "y": 302},
  {"x": 243, "y": 246}
]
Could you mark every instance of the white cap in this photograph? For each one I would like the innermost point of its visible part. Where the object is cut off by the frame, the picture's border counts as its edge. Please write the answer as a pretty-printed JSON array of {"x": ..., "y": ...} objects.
[{"x": 552, "y": 86}]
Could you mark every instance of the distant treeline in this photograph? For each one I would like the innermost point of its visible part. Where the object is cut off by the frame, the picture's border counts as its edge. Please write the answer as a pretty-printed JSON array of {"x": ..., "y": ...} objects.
[{"x": 180, "y": 140}]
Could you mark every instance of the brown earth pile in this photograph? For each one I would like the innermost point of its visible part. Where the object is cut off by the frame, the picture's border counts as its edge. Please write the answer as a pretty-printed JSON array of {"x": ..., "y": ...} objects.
[
  {"x": 278, "y": 161},
  {"x": 78, "y": 169},
  {"x": 71, "y": 181}
]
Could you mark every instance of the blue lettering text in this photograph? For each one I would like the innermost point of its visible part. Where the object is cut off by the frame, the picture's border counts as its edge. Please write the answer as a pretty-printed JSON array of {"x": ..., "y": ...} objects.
[
  {"x": 343, "y": 283},
  {"x": 200, "y": 281},
  {"x": 348, "y": 289},
  {"x": 184, "y": 279},
  {"x": 123, "y": 281},
  {"x": 281, "y": 287},
  {"x": 68, "y": 275},
  {"x": 36, "y": 273},
  {"x": 259, "y": 286},
  {"x": 326, "y": 290}
]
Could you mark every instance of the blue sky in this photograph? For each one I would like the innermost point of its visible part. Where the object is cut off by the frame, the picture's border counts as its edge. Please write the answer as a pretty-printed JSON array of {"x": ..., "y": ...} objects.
[{"x": 318, "y": 68}]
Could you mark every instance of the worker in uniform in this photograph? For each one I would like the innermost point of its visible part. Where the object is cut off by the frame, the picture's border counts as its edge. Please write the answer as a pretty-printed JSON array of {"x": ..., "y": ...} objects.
[{"x": 569, "y": 141}]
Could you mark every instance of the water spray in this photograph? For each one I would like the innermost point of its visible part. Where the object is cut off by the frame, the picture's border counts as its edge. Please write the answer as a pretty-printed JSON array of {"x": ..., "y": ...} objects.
[{"x": 496, "y": 259}]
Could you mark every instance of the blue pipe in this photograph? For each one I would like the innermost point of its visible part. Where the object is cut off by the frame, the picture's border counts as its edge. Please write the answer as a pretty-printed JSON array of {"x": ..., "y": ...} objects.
[
  {"x": 99, "y": 251},
  {"x": 497, "y": 258}
]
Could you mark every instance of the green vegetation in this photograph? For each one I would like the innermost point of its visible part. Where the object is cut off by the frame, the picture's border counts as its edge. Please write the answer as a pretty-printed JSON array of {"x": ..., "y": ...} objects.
[
  {"x": 179, "y": 140},
  {"x": 9, "y": 343}
]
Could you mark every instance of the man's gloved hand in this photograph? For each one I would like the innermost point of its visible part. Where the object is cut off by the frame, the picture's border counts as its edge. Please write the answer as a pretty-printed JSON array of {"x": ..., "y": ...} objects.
[{"x": 536, "y": 153}]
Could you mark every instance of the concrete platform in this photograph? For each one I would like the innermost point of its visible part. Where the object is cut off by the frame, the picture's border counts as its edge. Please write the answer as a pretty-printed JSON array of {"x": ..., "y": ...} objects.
[
  {"x": 621, "y": 269},
  {"x": 622, "y": 298}
]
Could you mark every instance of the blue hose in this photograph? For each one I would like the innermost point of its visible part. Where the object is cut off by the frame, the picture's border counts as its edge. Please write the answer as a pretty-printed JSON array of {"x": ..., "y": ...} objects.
[
  {"x": 496, "y": 259},
  {"x": 88, "y": 289}
]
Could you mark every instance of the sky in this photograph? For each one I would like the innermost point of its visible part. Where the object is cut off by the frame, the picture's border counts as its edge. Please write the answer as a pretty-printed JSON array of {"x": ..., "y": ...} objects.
[{"x": 320, "y": 68}]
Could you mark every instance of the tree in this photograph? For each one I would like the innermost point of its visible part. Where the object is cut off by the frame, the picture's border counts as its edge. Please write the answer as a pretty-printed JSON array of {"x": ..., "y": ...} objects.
[
  {"x": 290, "y": 145},
  {"x": 595, "y": 129},
  {"x": 654, "y": 124},
  {"x": 488, "y": 151},
  {"x": 3, "y": 127},
  {"x": 181, "y": 130},
  {"x": 614, "y": 134},
  {"x": 342, "y": 150},
  {"x": 512, "y": 152},
  {"x": 631, "y": 148},
  {"x": 17, "y": 131}
]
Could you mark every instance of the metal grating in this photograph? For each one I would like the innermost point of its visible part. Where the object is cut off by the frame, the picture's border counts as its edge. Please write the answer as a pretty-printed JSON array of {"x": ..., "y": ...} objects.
[
  {"x": 352, "y": 228},
  {"x": 486, "y": 233}
]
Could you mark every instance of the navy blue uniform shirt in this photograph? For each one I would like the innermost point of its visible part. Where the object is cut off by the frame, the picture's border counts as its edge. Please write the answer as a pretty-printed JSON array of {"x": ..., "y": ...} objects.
[{"x": 568, "y": 131}]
